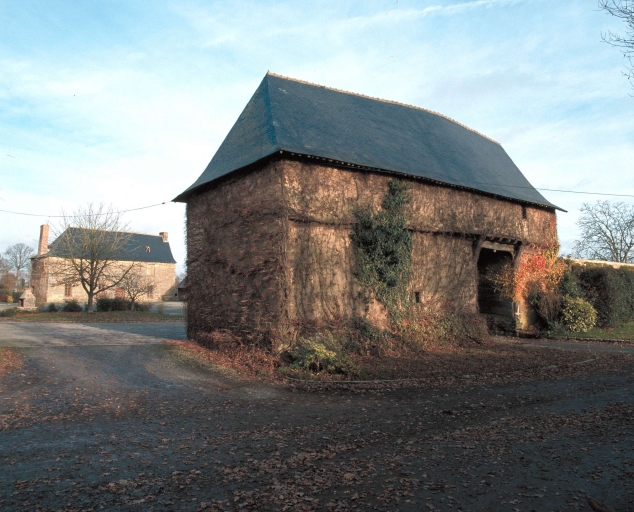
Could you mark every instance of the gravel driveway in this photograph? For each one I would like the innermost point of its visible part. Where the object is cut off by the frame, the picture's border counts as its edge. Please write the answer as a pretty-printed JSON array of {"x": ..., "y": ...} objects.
[
  {"x": 111, "y": 417},
  {"x": 69, "y": 334}
]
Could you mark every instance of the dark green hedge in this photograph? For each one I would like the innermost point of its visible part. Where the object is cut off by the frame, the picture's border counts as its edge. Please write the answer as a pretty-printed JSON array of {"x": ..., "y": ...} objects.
[
  {"x": 610, "y": 291},
  {"x": 104, "y": 304}
]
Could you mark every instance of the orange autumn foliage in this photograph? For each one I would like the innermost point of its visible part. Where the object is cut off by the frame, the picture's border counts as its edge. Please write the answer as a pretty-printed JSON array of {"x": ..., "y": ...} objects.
[{"x": 540, "y": 272}]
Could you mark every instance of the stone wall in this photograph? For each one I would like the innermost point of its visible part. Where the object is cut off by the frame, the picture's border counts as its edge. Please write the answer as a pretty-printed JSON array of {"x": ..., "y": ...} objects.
[
  {"x": 235, "y": 255},
  {"x": 270, "y": 249},
  {"x": 449, "y": 228},
  {"x": 328, "y": 195}
]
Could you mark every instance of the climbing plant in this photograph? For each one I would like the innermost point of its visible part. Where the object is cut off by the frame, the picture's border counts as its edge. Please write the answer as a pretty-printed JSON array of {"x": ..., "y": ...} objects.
[
  {"x": 383, "y": 249},
  {"x": 536, "y": 273}
]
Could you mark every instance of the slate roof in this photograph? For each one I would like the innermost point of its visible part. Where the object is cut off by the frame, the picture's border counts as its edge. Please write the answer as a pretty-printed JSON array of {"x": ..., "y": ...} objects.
[
  {"x": 307, "y": 119},
  {"x": 134, "y": 250}
]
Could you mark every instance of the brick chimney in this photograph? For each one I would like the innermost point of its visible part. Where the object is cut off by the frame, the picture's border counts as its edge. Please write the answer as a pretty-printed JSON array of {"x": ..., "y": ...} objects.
[
  {"x": 163, "y": 235},
  {"x": 42, "y": 247}
]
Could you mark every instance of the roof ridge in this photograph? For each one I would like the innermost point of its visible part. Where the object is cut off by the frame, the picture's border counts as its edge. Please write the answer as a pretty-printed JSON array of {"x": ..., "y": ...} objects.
[
  {"x": 118, "y": 231},
  {"x": 385, "y": 101}
]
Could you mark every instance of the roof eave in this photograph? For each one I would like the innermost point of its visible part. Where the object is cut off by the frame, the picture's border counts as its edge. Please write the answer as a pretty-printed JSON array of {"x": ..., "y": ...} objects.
[{"x": 183, "y": 197}]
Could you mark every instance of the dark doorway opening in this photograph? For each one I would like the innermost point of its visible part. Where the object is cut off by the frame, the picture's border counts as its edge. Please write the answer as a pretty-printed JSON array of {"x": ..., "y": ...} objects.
[{"x": 490, "y": 301}]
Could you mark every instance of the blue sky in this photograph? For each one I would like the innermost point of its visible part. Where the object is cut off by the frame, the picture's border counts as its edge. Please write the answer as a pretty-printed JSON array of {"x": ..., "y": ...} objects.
[{"x": 126, "y": 102}]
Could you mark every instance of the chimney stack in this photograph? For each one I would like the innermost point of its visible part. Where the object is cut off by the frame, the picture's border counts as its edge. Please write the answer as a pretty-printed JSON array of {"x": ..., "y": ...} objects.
[
  {"x": 163, "y": 235},
  {"x": 42, "y": 247}
]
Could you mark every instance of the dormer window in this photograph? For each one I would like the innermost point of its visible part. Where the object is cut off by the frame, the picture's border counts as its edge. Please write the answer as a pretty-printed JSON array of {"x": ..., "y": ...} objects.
[{"x": 147, "y": 248}]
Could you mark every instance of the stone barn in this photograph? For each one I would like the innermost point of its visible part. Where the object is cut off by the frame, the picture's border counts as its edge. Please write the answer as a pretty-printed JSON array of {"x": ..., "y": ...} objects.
[{"x": 269, "y": 220}]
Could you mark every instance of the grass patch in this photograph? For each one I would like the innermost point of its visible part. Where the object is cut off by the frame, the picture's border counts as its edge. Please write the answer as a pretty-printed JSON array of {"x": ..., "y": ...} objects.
[
  {"x": 97, "y": 317},
  {"x": 625, "y": 332}
]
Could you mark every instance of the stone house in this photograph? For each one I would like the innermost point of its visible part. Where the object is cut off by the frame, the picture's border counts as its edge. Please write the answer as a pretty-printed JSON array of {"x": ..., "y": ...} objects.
[
  {"x": 269, "y": 219},
  {"x": 151, "y": 253}
]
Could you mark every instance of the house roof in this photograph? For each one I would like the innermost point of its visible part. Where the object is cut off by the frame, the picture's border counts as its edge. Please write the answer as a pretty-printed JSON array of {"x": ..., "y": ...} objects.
[
  {"x": 287, "y": 115},
  {"x": 134, "y": 250}
]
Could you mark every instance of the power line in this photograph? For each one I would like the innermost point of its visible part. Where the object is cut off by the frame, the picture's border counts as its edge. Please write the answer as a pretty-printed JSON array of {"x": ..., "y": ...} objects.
[
  {"x": 472, "y": 183},
  {"x": 93, "y": 215},
  {"x": 581, "y": 192}
]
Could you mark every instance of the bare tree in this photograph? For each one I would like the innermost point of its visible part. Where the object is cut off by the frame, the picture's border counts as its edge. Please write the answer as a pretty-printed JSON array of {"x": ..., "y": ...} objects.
[
  {"x": 135, "y": 284},
  {"x": 7, "y": 278},
  {"x": 607, "y": 232},
  {"x": 623, "y": 9},
  {"x": 92, "y": 250},
  {"x": 4, "y": 266},
  {"x": 18, "y": 257}
]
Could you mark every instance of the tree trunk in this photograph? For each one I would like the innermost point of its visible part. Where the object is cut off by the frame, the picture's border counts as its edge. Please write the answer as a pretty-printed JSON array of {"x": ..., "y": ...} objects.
[{"x": 90, "y": 301}]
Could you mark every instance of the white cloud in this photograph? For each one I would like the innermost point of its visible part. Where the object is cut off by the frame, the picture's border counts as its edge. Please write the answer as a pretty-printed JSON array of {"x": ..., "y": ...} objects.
[{"x": 133, "y": 116}]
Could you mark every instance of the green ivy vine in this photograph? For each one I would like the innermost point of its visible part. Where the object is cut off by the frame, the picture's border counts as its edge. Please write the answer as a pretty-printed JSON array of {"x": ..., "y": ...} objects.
[{"x": 383, "y": 249}]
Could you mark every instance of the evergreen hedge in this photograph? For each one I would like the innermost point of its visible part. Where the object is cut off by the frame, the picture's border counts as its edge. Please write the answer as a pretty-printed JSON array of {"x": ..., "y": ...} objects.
[{"x": 610, "y": 291}]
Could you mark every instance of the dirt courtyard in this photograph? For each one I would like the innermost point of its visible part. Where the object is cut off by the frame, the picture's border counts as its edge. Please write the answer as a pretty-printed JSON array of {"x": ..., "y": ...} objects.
[{"x": 115, "y": 417}]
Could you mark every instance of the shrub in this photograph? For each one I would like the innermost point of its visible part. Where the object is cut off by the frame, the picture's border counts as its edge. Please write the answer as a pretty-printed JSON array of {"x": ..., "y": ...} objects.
[
  {"x": 142, "y": 306},
  {"x": 8, "y": 313},
  {"x": 313, "y": 355},
  {"x": 52, "y": 308},
  {"x": 105, "y": 304},
  {"x": 578, "y": 315},
  {"x": 72, "y": 306},
  {"x": 322, "y": 353},
  {"x": 609, "y": 290}
]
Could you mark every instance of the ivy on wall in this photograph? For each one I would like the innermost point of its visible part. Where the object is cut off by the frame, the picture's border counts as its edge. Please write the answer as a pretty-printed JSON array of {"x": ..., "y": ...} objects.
[{"x": 383, "y": 249}]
